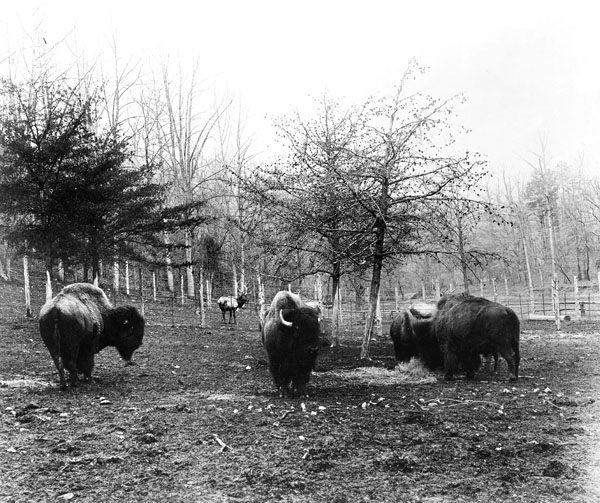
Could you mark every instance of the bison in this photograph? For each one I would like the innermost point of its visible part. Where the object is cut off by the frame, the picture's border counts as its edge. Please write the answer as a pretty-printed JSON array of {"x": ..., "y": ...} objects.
[
  {"x": 455, "y": 332},
  {"x": 467, "y": 327},
  {"x": 413, "y": 336},
  {"x": 79, "y": 322},
  {"x": 290, "y": 336},
  {"x": 231, "y": 304}
]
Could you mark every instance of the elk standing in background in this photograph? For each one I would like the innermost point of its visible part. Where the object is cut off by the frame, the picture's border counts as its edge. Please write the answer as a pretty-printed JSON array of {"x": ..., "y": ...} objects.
[{"x": 231, "y": 304}]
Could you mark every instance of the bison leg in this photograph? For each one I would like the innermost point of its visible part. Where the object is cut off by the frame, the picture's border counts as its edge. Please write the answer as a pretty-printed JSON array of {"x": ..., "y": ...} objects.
[
  {"x": 61, "y": 370},
  {"x": 450, "y": 365},
  {"x": 281, "y": 380},
  {"x": 85, "y": 363},
  {"x": 513, "y": 363},
  {"x": 471, "y": 364},
  {"x": 234, "y": 319},
  {"x": 71, "y": 367},
  {"x": 299, "y": 383}
]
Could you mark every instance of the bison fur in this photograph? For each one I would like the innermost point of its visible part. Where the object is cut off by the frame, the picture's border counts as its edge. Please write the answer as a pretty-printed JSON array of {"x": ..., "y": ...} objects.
[
  {"x": 79, "y": 322},
  {"x": 467, "y": 327},
  {"x": 290, "y": 335},
  {"x": 413, "y": 336}
]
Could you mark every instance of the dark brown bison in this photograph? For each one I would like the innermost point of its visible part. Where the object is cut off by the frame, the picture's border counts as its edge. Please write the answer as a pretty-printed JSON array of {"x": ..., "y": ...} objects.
[
  {"x": 467, "y": 327},
  {"x": 79, "y": 322},
  {"x": 290, "y": 336},
  {"x": 455, "y": 332},
  {"x": 413, "y": 336},
  {"x": 231, "y": 305}
]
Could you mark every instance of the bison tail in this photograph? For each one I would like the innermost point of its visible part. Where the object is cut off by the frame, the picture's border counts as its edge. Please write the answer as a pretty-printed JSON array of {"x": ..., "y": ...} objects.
[{"x": 57, "y": 346}]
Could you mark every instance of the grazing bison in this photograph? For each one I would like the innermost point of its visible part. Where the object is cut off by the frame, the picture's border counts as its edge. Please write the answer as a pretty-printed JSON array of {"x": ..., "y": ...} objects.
[
  {"x": 290, "y": 335},
  {"x": 413, "y": 336},
  {"x": 231, "y": 304},
  {"x": 79, "y": 322},
  {"x": 455, "y": 332},
  {"x": 467, "y": 327}
]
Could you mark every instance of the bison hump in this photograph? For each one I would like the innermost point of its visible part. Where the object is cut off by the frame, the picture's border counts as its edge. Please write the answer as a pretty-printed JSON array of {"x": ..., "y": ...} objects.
[{"x": 88, "y": 294}]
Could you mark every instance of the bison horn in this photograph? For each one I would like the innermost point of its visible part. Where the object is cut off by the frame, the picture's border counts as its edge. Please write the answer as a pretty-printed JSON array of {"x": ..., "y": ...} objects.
[{"x": 283, "y": 320}]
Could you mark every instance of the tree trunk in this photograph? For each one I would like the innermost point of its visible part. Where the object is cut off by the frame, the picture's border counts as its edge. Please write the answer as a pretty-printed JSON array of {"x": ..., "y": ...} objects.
[
  {"x": 555, "y": 298},
  {"x": 201, "y": 297},
  {"x": 27, "y": 286},
  {"x": 242, "y": 265},
  {"x": 463, "y": 257},
  {"x": 115, "y": 277},
  {"x": 127, "y": 278},
  {"x": 235, "y": 281},
  {"x": 48, "y": 286},
  {"x": 379, "y": 230},
  {"x": 335, "y": 321},
  {"x": 189, "y": 267}
]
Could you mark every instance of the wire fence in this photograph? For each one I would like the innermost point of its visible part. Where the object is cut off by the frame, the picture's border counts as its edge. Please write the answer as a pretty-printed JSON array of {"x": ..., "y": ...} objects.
[{"x": 164, "y": 307}]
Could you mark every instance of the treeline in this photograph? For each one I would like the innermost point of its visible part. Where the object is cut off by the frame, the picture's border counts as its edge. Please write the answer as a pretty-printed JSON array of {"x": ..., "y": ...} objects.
[{"x": 148, "y": 167}]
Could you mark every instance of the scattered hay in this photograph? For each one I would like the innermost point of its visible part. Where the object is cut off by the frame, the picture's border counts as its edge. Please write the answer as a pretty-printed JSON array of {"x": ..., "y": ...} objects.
[{"x": 413, "y": 372}]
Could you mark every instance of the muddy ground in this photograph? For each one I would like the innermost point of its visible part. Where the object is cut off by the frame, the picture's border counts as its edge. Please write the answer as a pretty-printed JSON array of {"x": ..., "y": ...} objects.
[{"x": 197, "y": 420}]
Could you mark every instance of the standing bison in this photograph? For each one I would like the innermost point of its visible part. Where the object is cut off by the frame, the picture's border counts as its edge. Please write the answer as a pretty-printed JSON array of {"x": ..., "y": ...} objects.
[
  {"x": 79, "y": 322},
  {"x": 467, "y": 327},
  {"x": 290, "y": 335},
  {"x": 455, "y": 332}
]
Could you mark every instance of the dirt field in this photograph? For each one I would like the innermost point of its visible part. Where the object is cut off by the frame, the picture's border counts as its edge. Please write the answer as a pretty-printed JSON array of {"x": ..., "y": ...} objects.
[{"x": 197, "y": 420}]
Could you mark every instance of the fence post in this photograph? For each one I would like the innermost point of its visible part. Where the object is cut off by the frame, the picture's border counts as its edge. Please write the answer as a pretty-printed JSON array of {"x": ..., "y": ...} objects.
[
  {"x": 520, "y": 306},
  {"x": 181, "y": 287},
  {"x": 154, "y": 285},
  {"x": 495, "y": 289},
  {"x": 543, "y": 304},
  {"x": 579, "y": 309},
  {"x": 141, "y": 290},
  {"x": 173, "y": 308}
]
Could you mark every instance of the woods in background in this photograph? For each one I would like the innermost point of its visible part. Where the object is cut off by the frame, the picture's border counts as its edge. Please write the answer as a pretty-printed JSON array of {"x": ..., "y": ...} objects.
[{"x": 143, "y": 166}]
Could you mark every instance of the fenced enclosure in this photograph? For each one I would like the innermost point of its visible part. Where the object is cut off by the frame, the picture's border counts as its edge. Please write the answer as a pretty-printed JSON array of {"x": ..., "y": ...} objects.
[{"x": 164, "y": 307}]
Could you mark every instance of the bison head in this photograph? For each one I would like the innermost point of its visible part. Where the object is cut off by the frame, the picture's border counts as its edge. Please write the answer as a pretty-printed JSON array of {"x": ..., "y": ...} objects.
[
  {"x": 123, "y": 329},
  {"x": 303, "y": 322}
]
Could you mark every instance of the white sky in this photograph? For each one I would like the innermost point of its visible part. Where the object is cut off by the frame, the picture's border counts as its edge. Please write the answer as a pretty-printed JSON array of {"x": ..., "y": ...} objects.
[{"x": 529, "y": 69}]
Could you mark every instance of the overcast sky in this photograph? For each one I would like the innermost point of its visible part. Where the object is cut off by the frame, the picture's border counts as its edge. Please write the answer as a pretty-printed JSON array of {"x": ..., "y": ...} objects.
[{"x": 530, "y": 69}]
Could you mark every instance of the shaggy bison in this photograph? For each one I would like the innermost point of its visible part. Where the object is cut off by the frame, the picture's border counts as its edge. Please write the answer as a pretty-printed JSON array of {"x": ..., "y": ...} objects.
[
  {"x": 467, "y": 327},
  {"x": 231, "y": 304},
  {"x": 290, "y": 336},
  {"x": 455, "y": 332},
  {"x": 413, "y": 336},
  {"x": 79, "y": 322}
]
